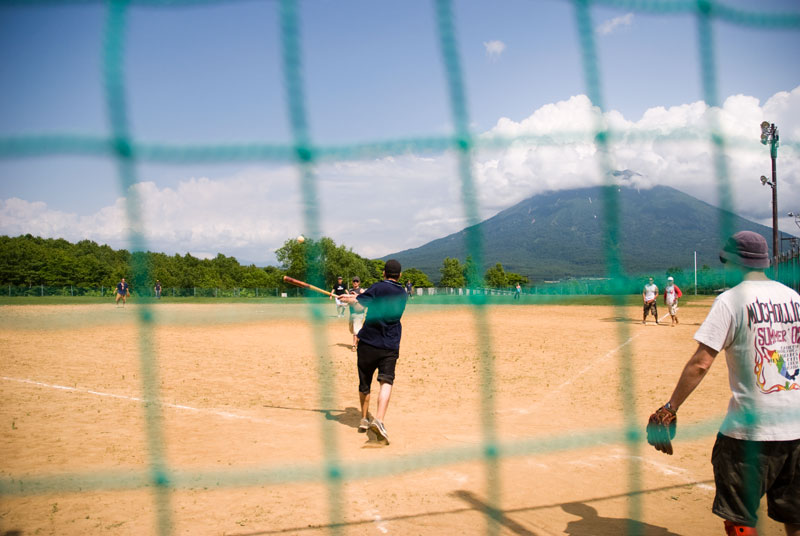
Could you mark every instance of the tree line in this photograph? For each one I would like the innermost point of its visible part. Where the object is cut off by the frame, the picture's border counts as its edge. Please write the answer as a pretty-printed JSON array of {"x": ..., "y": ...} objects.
[{"x": 29, "y": 260}]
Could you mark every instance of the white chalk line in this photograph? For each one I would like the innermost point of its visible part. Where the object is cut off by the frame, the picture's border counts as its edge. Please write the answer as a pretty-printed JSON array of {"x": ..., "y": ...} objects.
[
  {"x": 217, "y": 413},
  {"x": 370, "y": 510},
  {"x": 665, "y": 469},
  {"x": 592, "y": 365},
  {"x": 380, "y": 524}
]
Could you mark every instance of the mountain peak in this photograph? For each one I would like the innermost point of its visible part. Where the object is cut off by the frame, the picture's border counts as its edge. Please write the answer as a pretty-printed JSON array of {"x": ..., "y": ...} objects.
[{"x": 562, "y": 234}]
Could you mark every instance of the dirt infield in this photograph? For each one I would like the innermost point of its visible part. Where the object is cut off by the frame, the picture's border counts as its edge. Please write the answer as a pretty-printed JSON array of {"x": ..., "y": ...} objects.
[{"x": 241, "y": 398}]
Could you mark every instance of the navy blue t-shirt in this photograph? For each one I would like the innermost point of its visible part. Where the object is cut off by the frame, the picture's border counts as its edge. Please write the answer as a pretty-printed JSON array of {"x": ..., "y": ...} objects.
[{"x": 385, "y": 302}]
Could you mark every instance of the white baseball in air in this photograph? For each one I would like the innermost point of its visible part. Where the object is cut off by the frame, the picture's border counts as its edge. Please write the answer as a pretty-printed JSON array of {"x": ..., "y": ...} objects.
[{"x": 301, "y": 239}]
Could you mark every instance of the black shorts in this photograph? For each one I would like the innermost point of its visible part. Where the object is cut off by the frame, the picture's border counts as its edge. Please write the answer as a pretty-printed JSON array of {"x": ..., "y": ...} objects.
[
  {"x": 745, "y": 470},
  {"x": 371, "y": 358}
]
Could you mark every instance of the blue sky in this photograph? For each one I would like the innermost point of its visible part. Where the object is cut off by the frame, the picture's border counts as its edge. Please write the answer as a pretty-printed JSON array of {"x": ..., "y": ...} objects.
[{"x": 372, "y": 70}]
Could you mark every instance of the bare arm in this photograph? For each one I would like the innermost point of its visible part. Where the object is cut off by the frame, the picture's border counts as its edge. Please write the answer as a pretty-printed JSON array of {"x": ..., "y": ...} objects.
[
  {"x": 352, "y": 299},
  {"x": 693, "y": 373}
]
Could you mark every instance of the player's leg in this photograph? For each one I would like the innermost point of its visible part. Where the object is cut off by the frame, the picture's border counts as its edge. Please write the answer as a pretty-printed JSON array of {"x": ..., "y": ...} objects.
[
  {"x": 384, "y": 395},
  {"x": 363, "y": 398},
  {"x": 377, "y": 425},
  {"x": 386, "y": 370},
  {"x": 358, "y": 323},
  {"x": 783, "y": 494},
  {"x": 350, "y": 327},
  {"x": 366, "y": 369},
  {"x": 739, "y": 478}
]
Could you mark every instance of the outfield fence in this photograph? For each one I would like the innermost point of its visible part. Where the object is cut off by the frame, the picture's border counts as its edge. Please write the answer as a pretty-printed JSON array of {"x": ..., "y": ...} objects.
[
  {"x": 789, "y": 268},
  {"x": 127, "y": 152},
  {"x": 708, "y": 284}
]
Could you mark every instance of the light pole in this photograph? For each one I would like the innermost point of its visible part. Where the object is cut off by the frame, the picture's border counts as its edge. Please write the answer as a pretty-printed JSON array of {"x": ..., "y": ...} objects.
[{"x": 769, "y": 135}]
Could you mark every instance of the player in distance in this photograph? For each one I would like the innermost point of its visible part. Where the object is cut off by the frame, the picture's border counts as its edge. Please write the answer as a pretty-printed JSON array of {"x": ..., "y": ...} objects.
[{"x": 671, "y": 294}]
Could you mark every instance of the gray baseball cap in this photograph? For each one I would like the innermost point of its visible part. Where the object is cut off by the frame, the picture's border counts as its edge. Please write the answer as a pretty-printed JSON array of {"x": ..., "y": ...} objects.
[{"x": 746, "y": 248}]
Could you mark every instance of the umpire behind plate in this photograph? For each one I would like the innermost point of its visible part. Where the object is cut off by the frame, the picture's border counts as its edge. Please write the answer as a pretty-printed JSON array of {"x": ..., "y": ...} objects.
[{"x": 757, "y": 449}]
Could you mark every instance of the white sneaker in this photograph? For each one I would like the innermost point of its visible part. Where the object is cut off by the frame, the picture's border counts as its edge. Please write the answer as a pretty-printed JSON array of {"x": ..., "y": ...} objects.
[
  {"x": 380, "y": 431},
  {"x": 363, "y": 426}
]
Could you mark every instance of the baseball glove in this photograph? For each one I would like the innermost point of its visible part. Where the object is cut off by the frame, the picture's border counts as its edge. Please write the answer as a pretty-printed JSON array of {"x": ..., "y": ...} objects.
[{"x": 661, "y": 429}]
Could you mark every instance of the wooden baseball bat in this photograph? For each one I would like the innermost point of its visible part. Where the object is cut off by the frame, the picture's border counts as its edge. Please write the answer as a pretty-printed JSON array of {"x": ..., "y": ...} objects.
[{"x": 298, "y": 283}]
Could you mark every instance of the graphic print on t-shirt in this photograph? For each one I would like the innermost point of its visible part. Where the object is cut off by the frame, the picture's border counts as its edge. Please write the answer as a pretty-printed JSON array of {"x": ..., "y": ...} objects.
[{"x": 777, "y": 330}]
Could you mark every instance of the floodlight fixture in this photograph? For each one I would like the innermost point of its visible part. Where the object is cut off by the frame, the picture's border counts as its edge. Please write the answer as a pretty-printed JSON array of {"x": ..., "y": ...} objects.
[
  {"x": 770, "y": 135},
  {"x": 765, "y": 132}
]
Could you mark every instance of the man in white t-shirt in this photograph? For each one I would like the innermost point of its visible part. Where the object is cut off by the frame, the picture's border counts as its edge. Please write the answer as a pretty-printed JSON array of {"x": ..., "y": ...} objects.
[
  {"x": 356, "y": 317},
  {"x": 649, "y": 295},
  {"x": 757, "y": 450}
]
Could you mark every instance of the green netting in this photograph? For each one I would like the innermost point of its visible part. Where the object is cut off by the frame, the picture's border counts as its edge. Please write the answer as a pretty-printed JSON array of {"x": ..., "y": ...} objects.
[{"x": 333, "y": 471}]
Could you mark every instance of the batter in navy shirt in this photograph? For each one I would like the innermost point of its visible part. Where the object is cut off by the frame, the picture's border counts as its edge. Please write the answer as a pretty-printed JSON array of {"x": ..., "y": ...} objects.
[
  {"x": 379, "y": 344},
  {"x": 385, "y": 302}
]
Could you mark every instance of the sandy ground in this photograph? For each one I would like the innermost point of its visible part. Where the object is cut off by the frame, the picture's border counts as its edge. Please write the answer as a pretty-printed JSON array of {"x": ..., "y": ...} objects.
[{"x": 259, "y": 404}]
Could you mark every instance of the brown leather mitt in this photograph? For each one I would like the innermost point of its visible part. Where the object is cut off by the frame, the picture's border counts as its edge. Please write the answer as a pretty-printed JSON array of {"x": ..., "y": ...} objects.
[{"x": 661, "y": 429}]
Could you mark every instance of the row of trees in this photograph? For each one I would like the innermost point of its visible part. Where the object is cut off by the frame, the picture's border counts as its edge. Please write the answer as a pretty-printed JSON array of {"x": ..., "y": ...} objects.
[
  {"x": 457, "y": 275},
  {"x": 28, "y": 260}
]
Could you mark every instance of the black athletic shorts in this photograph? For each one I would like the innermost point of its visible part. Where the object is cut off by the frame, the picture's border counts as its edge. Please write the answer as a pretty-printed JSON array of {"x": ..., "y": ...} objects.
[
  {"x": 371, "y": 358},
  {"x": 745, "y": 470}
]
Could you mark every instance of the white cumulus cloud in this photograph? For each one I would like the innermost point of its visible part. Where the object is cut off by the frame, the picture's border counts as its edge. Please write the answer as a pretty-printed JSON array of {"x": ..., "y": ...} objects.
[
  {"x": 669, "y": 146},
  {"x": 494, "y": 49},
  {"x": 610, "y": 25},
  {"x": 383, "y": 205}
]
